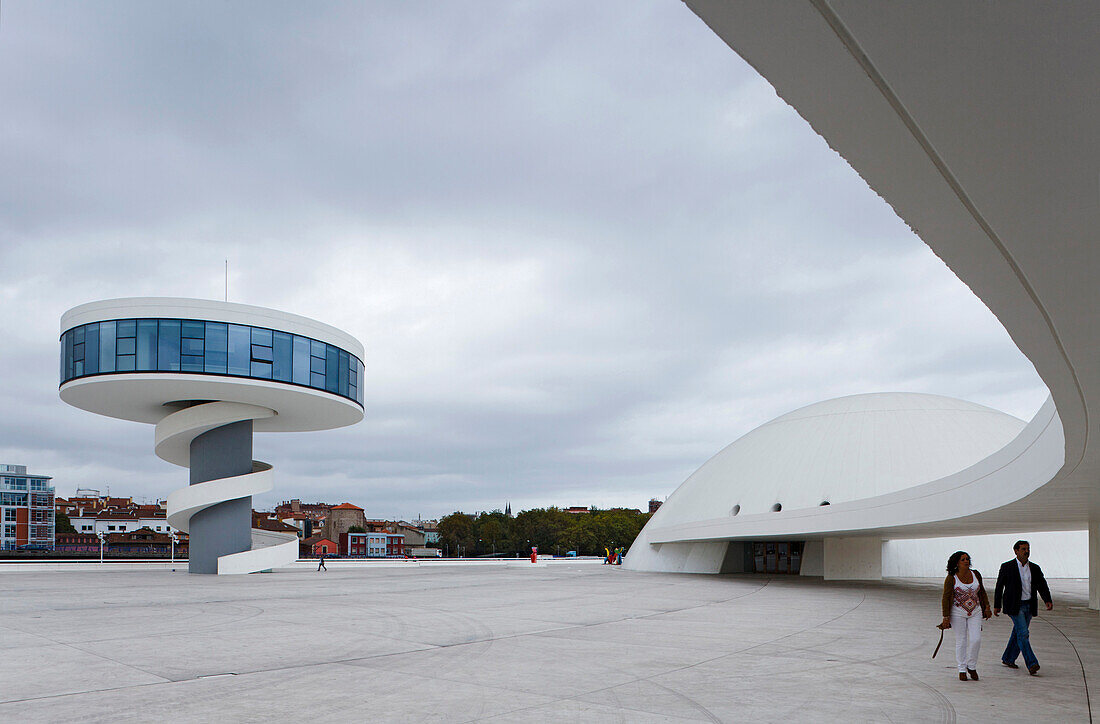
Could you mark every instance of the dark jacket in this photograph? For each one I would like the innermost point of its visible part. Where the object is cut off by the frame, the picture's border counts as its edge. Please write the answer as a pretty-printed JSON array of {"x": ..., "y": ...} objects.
[
  {"x": 948, "y": 598},
  {"x": 1009, "y": 585}
]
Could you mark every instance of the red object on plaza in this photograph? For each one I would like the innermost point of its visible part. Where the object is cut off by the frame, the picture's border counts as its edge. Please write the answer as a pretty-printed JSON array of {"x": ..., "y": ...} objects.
[{"x": 534, "y": 554}]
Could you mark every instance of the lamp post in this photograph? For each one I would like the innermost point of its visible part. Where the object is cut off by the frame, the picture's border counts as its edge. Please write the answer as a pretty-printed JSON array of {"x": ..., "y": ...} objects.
[
  {"x": 101, "y": 537},
  {"x": 172, "y": 535}
]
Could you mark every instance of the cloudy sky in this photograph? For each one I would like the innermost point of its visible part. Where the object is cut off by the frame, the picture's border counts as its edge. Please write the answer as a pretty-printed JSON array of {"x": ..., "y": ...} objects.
[{"x": 584, "y": 244}]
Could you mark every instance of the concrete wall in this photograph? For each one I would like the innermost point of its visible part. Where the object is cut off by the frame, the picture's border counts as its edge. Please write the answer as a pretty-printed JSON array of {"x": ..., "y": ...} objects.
[
  {"x": 676, "y": 557},
  {"x": 1061, "y": 554},
  {"x": 853, "y": 559},
  {"x": 813, "y": 558}
]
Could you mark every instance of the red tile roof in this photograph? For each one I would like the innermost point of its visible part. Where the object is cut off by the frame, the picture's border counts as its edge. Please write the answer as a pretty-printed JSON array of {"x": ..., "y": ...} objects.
[
  {"x": 346, "y": 506},
  {"x": 117, "y": 515}
]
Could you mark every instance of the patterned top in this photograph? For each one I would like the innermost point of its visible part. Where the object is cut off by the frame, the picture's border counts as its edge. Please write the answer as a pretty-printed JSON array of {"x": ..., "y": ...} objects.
[{"x": 966, "y": 596}]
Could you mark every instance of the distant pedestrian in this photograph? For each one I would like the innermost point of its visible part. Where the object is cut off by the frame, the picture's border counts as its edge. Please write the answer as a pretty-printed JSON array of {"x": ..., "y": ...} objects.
[
  {"x": 321, "y": 566},
  {"x": 1019, "y": 585},
  {"x": 964, "y": 597}
]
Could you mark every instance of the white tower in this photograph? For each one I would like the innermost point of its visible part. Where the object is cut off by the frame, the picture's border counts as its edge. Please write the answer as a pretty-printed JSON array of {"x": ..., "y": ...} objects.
[{"x": 208, "y": 374}]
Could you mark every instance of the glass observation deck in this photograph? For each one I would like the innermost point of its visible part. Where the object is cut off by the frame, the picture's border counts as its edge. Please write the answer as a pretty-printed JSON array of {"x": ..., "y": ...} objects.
[{"x": 124, "y": 346}]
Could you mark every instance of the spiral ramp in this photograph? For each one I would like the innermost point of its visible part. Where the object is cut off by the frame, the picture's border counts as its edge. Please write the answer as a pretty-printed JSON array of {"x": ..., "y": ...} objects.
[{"x": 174, "y": 434}]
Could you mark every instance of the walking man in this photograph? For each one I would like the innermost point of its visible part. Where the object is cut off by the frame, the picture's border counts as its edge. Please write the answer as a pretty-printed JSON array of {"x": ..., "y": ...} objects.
[
  {"x": 1019, "y": 585},
  {"x": 322, "y": 564}
]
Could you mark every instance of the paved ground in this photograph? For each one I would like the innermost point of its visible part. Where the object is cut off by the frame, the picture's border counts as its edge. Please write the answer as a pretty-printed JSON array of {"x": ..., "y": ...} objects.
[{"x": 515, "y": 643}]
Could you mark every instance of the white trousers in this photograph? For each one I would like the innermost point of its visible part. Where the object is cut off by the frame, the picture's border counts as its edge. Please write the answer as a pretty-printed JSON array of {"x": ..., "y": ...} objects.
[{"x": 968, "y": 638}]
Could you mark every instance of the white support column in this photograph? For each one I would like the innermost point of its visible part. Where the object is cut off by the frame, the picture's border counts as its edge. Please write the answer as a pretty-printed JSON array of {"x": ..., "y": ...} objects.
[
  {"x": 853, "y": 559},
  {"x": 813, "y": 559},
  {"x": 1094, "y": 563}
]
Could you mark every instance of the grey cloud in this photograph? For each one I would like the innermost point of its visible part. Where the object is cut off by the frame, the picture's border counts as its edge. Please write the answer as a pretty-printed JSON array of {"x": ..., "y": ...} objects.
[{"x": 584, "y": 244}]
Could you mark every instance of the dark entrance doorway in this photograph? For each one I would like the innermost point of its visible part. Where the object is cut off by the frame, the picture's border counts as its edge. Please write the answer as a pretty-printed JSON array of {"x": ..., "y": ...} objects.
[{"x": 777, "y": 556}]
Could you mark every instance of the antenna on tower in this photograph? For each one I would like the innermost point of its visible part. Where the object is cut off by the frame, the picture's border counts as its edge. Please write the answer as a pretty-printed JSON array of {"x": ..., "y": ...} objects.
[{"x": 227, "y": 280}]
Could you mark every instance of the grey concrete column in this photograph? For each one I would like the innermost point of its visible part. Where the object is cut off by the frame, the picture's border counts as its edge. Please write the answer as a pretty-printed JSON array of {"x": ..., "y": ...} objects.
[
  {"x": 224, "y": 528},
  {"x": 1094, "y": 563}
]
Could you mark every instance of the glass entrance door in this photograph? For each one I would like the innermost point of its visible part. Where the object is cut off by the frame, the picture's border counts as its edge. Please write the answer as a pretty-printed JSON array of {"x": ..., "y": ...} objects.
[{"x": 777, "y": 557}]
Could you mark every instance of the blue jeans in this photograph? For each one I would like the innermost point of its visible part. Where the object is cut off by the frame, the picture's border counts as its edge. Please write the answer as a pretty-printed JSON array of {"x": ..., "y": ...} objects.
[{"x": 1020, "y": 640}]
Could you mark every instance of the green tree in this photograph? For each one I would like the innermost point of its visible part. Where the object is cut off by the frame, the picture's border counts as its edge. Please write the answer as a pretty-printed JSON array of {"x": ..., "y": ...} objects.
[
  {"x": 551, "y": 529},
  {"x": 494, "y": 533},
  {"x": 62, "y": 524},
  {"x": 547, "y": 528},
  {"x": 456, "y": 531}
]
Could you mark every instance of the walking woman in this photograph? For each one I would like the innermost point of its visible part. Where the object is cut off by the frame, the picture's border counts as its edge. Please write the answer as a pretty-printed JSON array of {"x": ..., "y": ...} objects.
[{"x": 963, "y": 596}]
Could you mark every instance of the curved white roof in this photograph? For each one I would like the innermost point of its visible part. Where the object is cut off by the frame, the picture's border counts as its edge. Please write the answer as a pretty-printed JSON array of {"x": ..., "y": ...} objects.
[
  {"x": 841, "y": 450},
  {"x": 913, "y": 96}
]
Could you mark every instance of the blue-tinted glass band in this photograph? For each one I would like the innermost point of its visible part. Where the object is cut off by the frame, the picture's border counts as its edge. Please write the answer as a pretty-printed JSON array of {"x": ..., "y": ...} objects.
[{"x": 215, "y": 348}]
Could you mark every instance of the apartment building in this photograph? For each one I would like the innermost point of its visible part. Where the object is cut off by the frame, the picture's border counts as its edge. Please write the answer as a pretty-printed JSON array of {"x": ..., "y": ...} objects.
[{"x": 26, "y": 509}]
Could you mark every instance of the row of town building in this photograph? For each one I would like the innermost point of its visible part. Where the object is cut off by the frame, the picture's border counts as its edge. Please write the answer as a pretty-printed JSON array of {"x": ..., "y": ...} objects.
[
  {"x": 142, "y": 542},
  {"x": 345, "y": 530},
  {"x": 29, "y": 510}
]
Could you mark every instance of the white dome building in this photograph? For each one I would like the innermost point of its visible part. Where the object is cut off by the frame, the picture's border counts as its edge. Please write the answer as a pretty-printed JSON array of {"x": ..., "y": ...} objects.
[{"x": 846, "y": 449}]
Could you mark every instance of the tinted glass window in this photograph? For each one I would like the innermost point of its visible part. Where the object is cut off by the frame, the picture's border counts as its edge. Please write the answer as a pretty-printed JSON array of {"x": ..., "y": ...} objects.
[
  {"x": 217, "y": 346},
  {"x": 193, "y": 329},
  {"x": 173, "y": 345},
  {"x": 67, "y": 356},
  {"x": 332, "y": 372},
  {"x": 191, "y": 346},
  {"x": 261, "y": 336},
  {"x": 106, "y": 346},
  {"x": 91, "y": 348},
  {"x": 342, "y": 373},
  {"x": 147, "y": 344},
  {"x": 282, "y": 356},
  {"x": 168, "y": 345},
  {"x": 261, "y": 370},
  {"x": 301, "y": 360},
  {"x": 240, "y": 340}
]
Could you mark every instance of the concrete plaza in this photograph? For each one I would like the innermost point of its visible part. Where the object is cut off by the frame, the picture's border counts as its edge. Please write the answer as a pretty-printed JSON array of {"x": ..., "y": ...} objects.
[{"x": 514, "y": 642}]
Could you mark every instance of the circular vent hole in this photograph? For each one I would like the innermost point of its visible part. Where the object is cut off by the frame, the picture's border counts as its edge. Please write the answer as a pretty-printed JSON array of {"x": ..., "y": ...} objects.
[
  {"x": 777, "y": 507},
  {"x": 735, "y": 509}
]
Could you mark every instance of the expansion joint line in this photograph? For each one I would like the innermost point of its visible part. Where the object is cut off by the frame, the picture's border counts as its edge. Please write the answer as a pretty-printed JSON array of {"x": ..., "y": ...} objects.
[{"x": 1084, "y": 676}]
